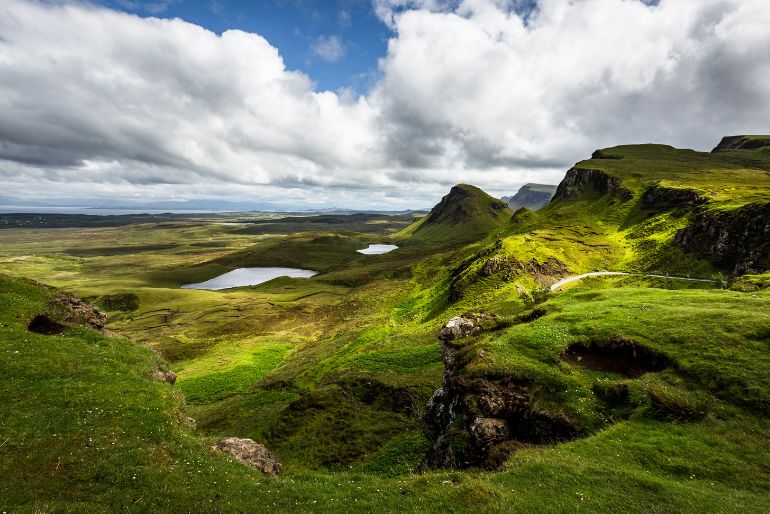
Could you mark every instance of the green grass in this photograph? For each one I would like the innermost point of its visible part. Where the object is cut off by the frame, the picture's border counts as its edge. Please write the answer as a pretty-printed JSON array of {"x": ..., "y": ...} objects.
[
  {"x": 332, "y": 372},
  {"x": 218, "y": 385}
]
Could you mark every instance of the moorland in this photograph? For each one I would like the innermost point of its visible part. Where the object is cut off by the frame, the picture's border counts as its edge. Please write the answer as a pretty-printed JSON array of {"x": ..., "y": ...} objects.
[{"x": 445, "y": 375}]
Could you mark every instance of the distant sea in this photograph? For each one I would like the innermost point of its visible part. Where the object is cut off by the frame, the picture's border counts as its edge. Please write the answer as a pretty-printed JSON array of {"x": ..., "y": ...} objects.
[{"x": 94, "y": 211}]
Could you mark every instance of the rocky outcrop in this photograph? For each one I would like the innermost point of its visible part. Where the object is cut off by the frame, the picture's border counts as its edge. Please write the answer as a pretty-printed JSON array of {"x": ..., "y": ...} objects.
[
  {"x": 671, "y": 197},
  {"x": 737, "y": 240},
  {"x": 457, "y": 328},
  {"x": 65, "y": 311},
  {"x": 163, "y": 376},
  {"x": 70, "y": 309},
  {"x": 477, "y": 421},
  {"x": 741, "y": 143},
  {"x": 511, "y": 267},
  {"x": 582, "y": 180},
  {"x": 250, "y": 453}
]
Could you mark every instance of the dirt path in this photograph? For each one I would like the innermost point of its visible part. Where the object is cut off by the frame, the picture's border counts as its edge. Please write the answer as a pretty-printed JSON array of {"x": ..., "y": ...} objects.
[{"x": 567, "y": 280}]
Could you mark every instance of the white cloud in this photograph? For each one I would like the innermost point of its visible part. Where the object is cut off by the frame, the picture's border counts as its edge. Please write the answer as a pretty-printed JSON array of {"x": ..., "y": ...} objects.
[
  {"x": 329, "y": 48},
  {"x": 96, "y": 100},
  {"x": 478, "y": 86}
]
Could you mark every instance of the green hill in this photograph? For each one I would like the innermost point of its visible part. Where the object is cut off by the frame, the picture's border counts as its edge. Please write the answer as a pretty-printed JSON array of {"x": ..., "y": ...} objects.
[
  {"x": 615, "y": 393},
  {"x": 466, "y": 213}
]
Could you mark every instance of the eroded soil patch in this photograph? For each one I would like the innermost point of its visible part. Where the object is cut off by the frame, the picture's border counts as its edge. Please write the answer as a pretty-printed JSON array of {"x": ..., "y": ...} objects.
[
  {"x": 617, "y": 355},
  {"x": 42, "y": 324}
]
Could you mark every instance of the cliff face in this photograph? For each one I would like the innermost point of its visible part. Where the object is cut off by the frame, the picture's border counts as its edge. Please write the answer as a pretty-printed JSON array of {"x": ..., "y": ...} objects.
[
  {"x": 660, "y": 196},
  {"x": 742, "y": 143},
  {"x": 582, "y": 180},
  {"x": 738, "y": 240}
]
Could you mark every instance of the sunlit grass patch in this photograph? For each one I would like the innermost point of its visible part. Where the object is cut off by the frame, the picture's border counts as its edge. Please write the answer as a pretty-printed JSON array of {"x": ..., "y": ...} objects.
[{"x": 239, "y": 379}]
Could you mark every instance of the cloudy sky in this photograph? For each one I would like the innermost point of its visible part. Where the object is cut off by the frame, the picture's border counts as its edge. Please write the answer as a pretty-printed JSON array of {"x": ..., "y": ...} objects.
[{"x": 360, "y": 103}]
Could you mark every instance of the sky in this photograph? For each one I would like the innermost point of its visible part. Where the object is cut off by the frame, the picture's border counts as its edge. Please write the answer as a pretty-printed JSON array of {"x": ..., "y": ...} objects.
[{"x": 364, "y": 104}]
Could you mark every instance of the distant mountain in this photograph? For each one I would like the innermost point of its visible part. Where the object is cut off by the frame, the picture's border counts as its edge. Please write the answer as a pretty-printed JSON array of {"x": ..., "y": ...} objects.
[
  {"x": 531, "y": 196},
  {"x": 465, "y": 213}
]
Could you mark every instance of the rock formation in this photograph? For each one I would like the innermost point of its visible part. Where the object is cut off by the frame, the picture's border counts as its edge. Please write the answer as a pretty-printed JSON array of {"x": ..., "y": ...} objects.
[
  {"x": 250, "y": 453},
  {"x": 582, "y": 180},
  {"x": 738, "y": 240}
]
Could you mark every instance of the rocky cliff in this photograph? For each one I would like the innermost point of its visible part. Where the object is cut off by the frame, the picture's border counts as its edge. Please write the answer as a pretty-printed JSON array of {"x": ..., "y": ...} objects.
[
  {"x": 738, "y": 240},
  {"x": 660, "y": 196},
  {"x": 742, "y": 143},
  {"x": 582, "y": 180}
]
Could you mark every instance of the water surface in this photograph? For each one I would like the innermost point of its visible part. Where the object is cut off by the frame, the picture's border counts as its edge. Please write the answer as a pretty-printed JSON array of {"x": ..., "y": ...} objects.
[
  {"x": 249, "y": 277},
  {"x": 377, "y": 249}
]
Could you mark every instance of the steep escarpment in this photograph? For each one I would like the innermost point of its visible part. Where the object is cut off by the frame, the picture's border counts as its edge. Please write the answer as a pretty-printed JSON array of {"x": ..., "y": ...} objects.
[
  {"x": 661, "y": 196},
  {"x": 738, "y": 240},
  {"x": 742, "y": 143},
  {"x": 579, "y": 181}
]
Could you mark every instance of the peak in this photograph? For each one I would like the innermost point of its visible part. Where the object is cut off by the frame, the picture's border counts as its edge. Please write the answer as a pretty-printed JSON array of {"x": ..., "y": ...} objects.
[
  {"x": 742, "y": 143},
  {"x": 464, "y": 189},
  {"x": 464, "y": 213}
]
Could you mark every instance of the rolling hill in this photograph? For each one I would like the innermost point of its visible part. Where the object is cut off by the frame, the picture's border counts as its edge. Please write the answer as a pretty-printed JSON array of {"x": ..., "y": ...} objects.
[{"x": 630, "y": 392}]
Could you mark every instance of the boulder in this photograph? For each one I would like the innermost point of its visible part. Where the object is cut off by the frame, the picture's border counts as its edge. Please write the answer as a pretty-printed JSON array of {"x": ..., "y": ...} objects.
[
  {"x": 456, "y": 328},
  {"x": 250, "y": 453},
  {"x": 489, "y": 430},
  {"x": 491, "y": 267},
  {"x": 163, "y": 376}
]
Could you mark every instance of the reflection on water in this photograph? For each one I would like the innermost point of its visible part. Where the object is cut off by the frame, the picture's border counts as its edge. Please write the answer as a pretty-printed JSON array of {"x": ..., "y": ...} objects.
[
  {"x": 249, "y": 277},
  {"x": 377, "y": 249}
]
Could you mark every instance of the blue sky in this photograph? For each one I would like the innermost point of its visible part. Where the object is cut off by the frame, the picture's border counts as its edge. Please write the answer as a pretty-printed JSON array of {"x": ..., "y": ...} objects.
[{"x": 295, "y": 27}]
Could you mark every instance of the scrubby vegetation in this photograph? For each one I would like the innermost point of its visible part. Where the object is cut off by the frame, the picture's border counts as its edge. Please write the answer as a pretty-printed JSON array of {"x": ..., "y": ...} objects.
[{"x": 619, "y": 393}]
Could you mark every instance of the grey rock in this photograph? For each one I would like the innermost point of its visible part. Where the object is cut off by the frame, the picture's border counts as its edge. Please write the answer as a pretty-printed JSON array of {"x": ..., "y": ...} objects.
[
  {"x": 250, "y": 453},
  {"x": 457, "y": 328}
]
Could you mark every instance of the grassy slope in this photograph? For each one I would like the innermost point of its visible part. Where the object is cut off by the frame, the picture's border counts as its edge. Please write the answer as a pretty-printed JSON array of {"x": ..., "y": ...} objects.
[
  {"x": 90, "y": 431},
  {"x": 288, "y": 362}
]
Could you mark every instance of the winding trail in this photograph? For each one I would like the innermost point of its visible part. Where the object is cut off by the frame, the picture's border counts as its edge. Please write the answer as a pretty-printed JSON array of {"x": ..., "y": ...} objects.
[{"x": 574, "y": 278}]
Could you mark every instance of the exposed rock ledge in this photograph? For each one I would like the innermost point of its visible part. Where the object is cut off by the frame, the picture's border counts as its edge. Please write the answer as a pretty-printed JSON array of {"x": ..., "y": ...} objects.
[
  {"x": 738, "y": 240},
  {"x": 660, "y": 196},
  {"x": 581, "y": 180}
]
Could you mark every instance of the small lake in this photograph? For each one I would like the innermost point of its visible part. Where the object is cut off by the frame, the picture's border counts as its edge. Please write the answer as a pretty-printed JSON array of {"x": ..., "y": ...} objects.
[
  {"x": 377, "y": 249},
  {"x": 249, "y": 277}
]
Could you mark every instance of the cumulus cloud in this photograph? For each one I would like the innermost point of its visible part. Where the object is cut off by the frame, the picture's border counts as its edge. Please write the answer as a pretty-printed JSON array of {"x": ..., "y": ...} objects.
[
  {"x": 89, "y": 91},
  {"x": 492, "y": 92},
  {"x": 329, "y": 48},
  {"x": 481, "y": 86}
]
